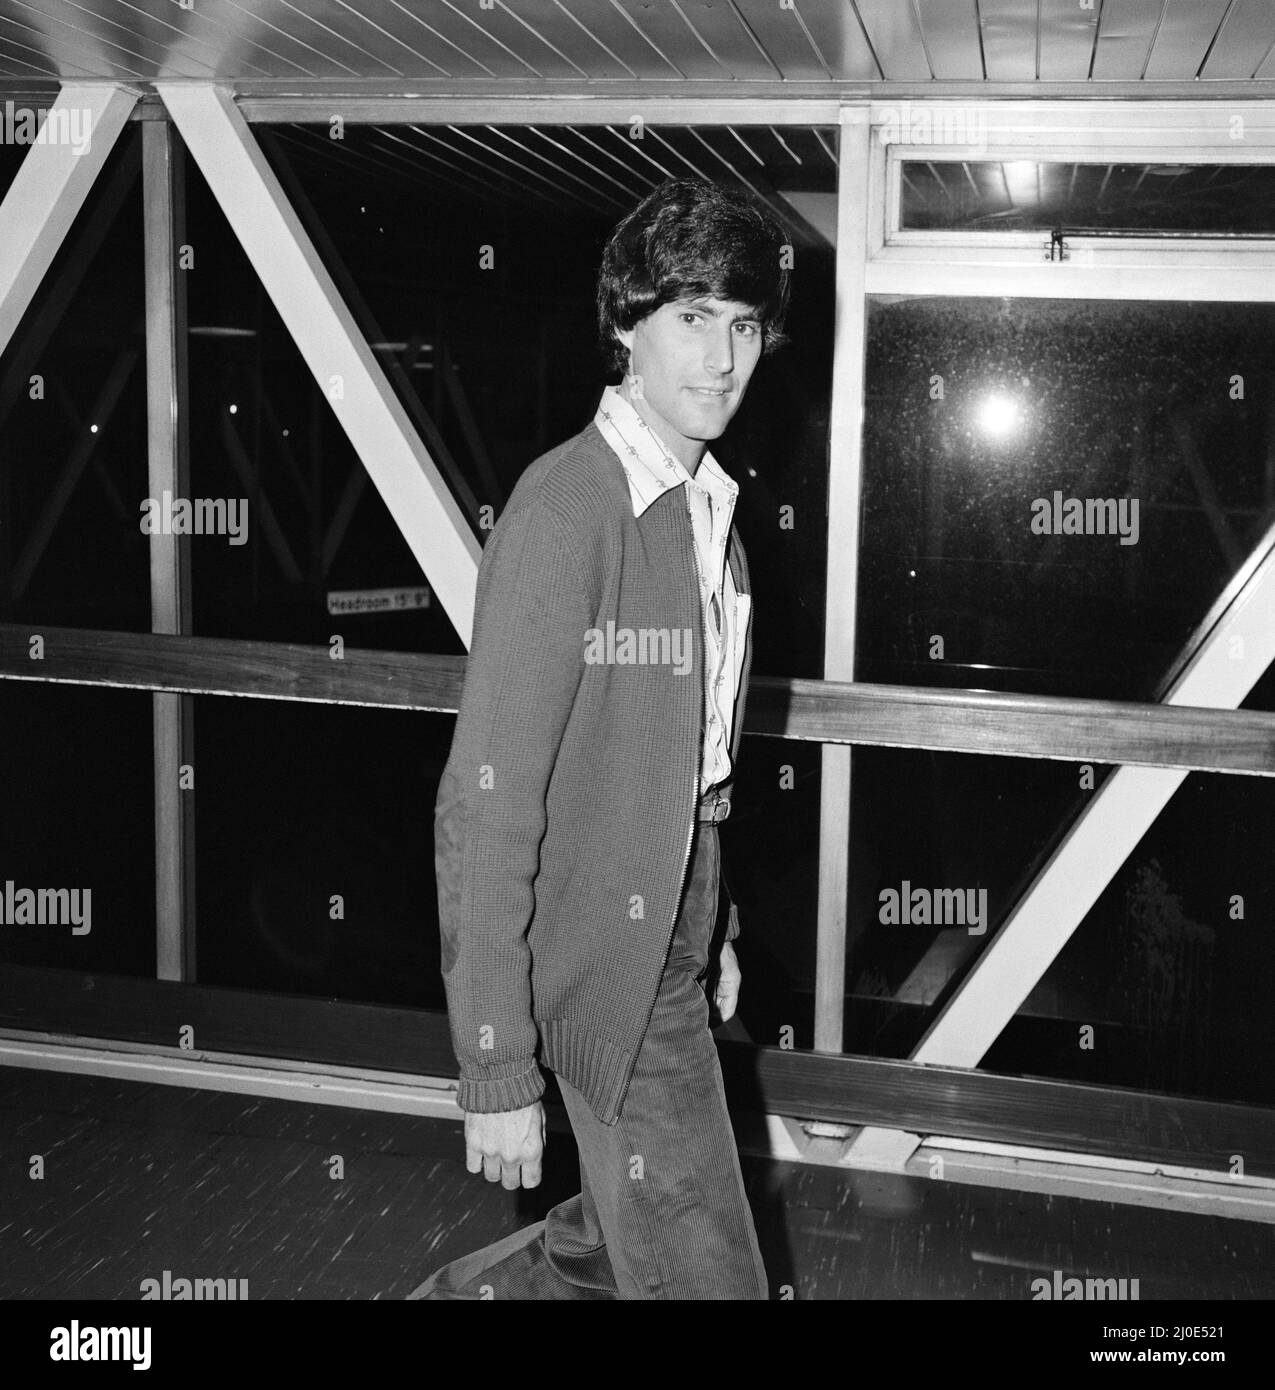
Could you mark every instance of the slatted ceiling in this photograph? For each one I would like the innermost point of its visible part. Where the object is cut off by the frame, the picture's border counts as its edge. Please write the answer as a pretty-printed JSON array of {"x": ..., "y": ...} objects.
[
  {"x": 598, "y": 169},
  {"x": 897, "y": 41},
  {"x": 665, "y": 28},
  {"x": 718, "y": 28},
  {"x": 1127, "y": 31},
  {"x": 1010, "y": 40},
  {"x": 69, "y": 49},
  {"x": 602, "y": 164},
  {"x": 344, "y": 37},
  {"x": 953, "y": 42},
  {"x": 1243, "y": 42},
  {"x": 574, "y": 38},
  {"x": 135, "y": 46},
  {"x": 466, "y": 172},
  {"x": 451, "y": 38},
  {"x": 788, "y": 45},
  {"x": 539, "y": 55},
  {"x": 558, "y": 173},
  {"x": 18, "y": 58},
  {"x": 455, "y": 53},
  {"x": 1183, "y": 39},
  {"x": 620, "y": 38},
  {"x": 636, "y": 182},
  {"x": 316, "y": 52},
  {"x": 661, "y": 41},
  {"x": 232, "y": 40},
  {"x": 1067, "y": 38}
]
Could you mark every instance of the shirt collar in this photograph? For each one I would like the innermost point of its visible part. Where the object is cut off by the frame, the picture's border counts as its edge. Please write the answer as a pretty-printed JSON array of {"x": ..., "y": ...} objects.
[{"x": 649, "y": 467}]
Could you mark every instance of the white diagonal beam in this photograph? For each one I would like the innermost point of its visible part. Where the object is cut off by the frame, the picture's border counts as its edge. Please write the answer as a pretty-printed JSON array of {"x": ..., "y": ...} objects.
[
  {"x": 324, "y": 330},
  {"x": 1227, "y": 663},
  {"x": 78, "y": 132}
]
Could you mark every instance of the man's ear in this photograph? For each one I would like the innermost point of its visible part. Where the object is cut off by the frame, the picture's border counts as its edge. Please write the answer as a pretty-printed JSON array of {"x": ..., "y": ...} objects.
[{"x": 624, "y": 336}]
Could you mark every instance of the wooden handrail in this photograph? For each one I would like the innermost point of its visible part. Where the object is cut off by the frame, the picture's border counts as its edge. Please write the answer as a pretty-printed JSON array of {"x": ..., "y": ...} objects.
[{"x": 892, "y": 716}]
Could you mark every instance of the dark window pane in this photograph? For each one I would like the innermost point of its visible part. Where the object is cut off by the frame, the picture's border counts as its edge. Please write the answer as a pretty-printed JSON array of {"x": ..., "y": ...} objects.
[
  {"x": 315, "y": 827},
  {"x": 1055, "y": 491},
  {"x": 1173, "y": 968},
  {"x": 1099, "y": 199},
  {"x": 78, "y": 814},
  {"x": 770, "y": 858},
  {"x": 73, "y": 421},
  {"x": 970, "y": 831}
]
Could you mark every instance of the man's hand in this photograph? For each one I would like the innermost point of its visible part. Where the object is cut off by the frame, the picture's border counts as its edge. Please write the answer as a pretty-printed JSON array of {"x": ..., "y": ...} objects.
[
  {"x": 726, "y": 995},
  {"x": 506, "y": 1146}
]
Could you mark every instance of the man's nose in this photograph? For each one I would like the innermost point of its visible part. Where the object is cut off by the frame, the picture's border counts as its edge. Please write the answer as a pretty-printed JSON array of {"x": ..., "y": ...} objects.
[{"x": 719, "y": 355}]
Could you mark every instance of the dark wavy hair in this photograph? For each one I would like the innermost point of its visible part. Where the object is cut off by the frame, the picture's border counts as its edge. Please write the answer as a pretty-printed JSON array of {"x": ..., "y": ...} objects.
[{"x": 691, "y": 238}]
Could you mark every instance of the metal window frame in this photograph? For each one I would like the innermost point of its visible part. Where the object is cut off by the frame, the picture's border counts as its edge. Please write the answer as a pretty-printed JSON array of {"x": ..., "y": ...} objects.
[
  {"x": 1132, "y": 267},
  {"x": 957, "y": 264}
]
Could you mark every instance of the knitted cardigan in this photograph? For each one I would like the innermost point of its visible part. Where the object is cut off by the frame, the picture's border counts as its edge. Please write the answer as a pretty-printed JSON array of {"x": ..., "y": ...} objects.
[{"x": 564, "y": 815}]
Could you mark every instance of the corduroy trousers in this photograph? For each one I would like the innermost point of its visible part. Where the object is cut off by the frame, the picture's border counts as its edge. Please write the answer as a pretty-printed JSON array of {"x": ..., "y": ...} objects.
[{"x": 662, "y": 1212}]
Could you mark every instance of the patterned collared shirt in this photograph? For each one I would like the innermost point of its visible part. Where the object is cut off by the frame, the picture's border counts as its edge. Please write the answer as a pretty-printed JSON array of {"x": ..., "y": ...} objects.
[{"x": 710, "y": 499}]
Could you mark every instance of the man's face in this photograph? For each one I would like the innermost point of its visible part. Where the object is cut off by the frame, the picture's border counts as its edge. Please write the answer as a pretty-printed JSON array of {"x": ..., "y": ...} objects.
[{"x": 692, "y": 359}]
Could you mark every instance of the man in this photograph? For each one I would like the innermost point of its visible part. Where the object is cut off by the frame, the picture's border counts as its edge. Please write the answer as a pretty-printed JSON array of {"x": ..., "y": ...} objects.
[{"x": 576, "y": 822}]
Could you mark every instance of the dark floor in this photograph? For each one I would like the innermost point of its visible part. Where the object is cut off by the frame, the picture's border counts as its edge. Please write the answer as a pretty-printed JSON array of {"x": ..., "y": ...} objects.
[{"x": 139, "y": 1179}]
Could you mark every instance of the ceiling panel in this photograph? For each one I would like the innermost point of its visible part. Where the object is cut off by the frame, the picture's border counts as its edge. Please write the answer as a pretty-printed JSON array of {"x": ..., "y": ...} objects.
[
  {"x": 1067, "y": 37},
  {"x": 894, "y": 32},
  {"x": 19, "y": 57},
  {"x": 1009, "y": 39},
  {"x": 952, "y": 38},
  {"x": 1244, "y": 41},
  {"x": 720, "y": 28},
  {"x": 837, "y": 33},
  {"x": 565, "y": 42},
  {"x": 1126, "y": 35},
  {"x": 612, "y": 28},
  {"x": 510, "y": 28},
  {"x": 230, "y": 34},
  {"x": 663, "y": 26},
  {"x": 67, "y": 47},
  {"x": 620, "y": 49},
  {"x": 792, "y": 51}
]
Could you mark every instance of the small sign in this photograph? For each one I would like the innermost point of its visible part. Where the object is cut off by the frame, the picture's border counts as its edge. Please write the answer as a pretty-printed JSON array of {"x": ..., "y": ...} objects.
[{"x": 343, "y": 602}]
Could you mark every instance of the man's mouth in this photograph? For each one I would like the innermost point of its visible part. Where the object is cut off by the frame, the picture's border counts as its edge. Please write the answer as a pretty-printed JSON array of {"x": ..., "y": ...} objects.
[{"x": 710, "y": 390}]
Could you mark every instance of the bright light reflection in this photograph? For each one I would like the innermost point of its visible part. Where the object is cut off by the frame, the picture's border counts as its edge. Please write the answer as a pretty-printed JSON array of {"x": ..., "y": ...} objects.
[{"x": 999, "y": 415}]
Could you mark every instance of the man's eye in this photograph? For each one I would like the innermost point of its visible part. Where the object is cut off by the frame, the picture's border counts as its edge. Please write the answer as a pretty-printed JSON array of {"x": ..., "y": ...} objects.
[
  {"x": 686, "y": 317},
  {"x": 750, "y": 329}
]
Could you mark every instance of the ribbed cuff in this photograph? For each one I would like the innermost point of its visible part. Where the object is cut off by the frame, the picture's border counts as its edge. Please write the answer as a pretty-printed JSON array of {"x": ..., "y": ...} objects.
[{"x": 491, "y": 1095}]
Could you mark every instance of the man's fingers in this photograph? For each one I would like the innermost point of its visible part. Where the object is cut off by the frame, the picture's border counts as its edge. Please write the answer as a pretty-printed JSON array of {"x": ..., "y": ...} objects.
[
  {"x": 473, "y": 1159},
  {"x": 491, "y": 1167},
  {"x": 531, "y": 1172}
]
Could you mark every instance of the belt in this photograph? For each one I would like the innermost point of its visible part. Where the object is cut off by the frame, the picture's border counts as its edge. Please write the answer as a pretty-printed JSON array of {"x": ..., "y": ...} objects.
[{"x": 713, "y": 808}]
